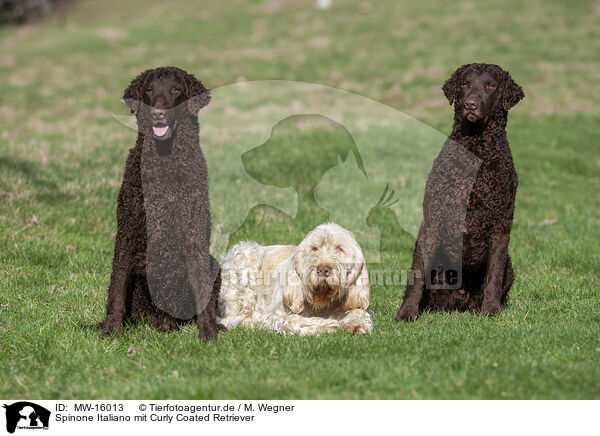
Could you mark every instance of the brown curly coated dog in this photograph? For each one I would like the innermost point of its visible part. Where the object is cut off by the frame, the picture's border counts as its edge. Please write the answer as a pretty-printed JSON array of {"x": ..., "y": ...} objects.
[
  {"x": 476, "y": 258},
  {"x": 162, "y": 268}
]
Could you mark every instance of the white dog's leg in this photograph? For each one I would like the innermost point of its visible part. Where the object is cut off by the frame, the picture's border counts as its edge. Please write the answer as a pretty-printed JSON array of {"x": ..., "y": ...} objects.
[
  {"x": 230, "y": 322},
  {"x": 357, "y": 321},
  {"x": 293, "y": 324},
  {"x": 238, "y": 293}
]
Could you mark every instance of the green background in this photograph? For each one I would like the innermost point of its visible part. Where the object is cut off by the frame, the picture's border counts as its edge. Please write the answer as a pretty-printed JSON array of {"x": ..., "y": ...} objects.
[{"x": 62, "y": 156}]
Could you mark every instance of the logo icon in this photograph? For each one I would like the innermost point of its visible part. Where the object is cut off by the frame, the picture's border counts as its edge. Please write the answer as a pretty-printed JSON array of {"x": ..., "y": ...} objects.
[{"x": 26, "y": 415}]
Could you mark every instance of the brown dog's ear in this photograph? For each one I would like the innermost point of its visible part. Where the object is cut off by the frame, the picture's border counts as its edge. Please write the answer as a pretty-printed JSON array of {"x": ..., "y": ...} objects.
[
  {"x": 450, "y": 87},
  {"x": 134, "y": 92},
  {"x": 197, "y": 94},
  {"x": 512, "y": 93}
]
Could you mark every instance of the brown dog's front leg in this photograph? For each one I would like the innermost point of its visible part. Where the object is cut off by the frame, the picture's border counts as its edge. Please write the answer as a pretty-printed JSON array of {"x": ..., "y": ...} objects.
[
  {"x": 492, "y": 286},
  {"x": 117, "y": 290},
  {"x": 202, "y": 273},
  {"x": 414, "y": 288}
]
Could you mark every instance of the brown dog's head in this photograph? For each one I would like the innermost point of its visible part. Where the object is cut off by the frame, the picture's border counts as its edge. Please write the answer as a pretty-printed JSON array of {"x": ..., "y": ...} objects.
[
  {"x": 157, "y": 97},
  {"x": 481, "y": 91}
]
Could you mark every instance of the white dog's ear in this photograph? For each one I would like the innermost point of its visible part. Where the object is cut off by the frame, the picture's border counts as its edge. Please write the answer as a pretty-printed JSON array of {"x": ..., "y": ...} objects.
[
  {"x": 293, "y": 297},
  {"x": 292, "y": 293},
  {"x": 359, "y": 291}
]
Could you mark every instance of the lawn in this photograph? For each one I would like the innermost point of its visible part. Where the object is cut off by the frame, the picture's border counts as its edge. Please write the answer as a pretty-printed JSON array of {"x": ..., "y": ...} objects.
[{"x": 62, "y": 155}]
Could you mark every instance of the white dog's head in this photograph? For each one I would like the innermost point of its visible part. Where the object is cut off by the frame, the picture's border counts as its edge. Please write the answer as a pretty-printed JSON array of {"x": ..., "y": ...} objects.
[{"x": 331, "y": 269}]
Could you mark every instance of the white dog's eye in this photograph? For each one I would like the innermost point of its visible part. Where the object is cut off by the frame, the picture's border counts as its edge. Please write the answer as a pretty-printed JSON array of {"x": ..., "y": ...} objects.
[
  {"x": 339, "y": 249},
  {"x": 314, "y": 248}
]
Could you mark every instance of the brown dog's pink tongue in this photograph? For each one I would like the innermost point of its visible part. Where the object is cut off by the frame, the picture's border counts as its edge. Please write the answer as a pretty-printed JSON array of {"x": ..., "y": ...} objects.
[{"x": 160, "y": 131}]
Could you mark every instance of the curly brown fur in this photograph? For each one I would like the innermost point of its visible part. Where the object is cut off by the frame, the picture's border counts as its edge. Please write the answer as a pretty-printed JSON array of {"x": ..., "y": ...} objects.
[
  {"x": 482, "y": 94},
  {"x": 163, "y": 212}
]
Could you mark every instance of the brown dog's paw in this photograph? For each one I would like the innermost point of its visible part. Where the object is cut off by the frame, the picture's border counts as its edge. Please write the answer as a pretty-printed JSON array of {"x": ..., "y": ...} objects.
[
  {"x": 207, "y": 331},
  {"x": 109, "y": 327},
  {"x": 407, "y": 313},
  {"x": 490, "y": 308},
  {"x": 164, "y": 323}
]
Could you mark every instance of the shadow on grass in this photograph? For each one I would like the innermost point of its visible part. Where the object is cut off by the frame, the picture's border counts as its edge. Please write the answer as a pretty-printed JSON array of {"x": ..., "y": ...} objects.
[{"x": 39, "y": 177}]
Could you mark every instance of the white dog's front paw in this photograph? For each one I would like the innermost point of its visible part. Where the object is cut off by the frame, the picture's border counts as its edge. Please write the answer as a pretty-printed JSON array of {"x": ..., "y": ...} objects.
[
  {"x": 358, "y": 329},
  {"x": 324, "y": 325},
  {"x": 358, "y": 322},
  {"x": 331, "y": 326}
]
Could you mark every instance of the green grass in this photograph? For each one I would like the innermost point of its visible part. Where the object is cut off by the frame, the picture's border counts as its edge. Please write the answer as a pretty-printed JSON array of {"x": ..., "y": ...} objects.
[{"x": 62, "y": 157}]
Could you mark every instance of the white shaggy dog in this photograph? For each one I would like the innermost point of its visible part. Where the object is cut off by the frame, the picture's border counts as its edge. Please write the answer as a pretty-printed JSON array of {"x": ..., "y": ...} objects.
[{"x": 319, "y": 286}]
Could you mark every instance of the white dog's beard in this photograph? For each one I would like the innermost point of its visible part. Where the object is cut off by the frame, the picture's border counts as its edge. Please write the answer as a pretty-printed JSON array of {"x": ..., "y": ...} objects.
[{"x": 322, "y": 293}]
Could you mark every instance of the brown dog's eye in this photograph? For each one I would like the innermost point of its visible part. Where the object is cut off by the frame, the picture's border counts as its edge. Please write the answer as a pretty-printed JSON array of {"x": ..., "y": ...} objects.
[
  {"x": 149, "y": 91},
  {"x": 465, "y": 84},
  {"x": 177, "y": 91},
  {"x": 491, "y": 86}
]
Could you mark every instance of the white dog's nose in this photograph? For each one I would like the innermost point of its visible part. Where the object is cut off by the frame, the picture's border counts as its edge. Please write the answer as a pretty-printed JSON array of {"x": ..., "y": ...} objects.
[{"x": 323, "y": 270}]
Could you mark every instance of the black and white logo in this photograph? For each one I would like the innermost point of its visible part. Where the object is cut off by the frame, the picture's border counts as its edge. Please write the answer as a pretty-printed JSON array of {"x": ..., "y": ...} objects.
[{"x": 26, "y": 415}]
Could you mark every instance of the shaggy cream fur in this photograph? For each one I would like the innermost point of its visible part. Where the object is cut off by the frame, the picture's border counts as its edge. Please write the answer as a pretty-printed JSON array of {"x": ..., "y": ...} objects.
[{"x": 319, "y": 286}]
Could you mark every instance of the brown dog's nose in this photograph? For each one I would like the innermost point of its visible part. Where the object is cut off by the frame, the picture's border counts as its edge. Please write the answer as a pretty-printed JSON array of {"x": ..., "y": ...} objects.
[
  {"x": 323, "y": 270},
  {"x": 158, "y": 114},
  {"x": 471, "y": 104}
]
